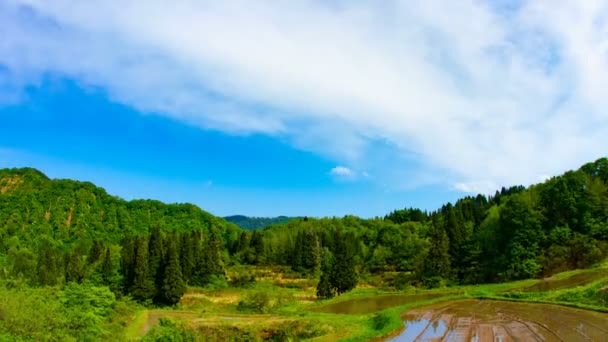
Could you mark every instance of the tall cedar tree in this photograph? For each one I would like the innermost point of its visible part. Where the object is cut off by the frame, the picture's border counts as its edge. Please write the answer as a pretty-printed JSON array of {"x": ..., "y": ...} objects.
[
  {"x": 324, "y": 288},
  {"x": 188, "y": 256},
  {"x": 128, "y": 262},
  {"x": 155, "y": 259},
  {"x": 214, "y": 266},
  {"x": 143, "y": 286},
  {"x": 437, "y": 261},
  {"x": 343, "y": 276},
  {"x": 174, "y": 285}
]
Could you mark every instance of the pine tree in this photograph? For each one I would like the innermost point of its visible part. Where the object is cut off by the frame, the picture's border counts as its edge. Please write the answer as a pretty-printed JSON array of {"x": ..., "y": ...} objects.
[
  {"x": 311, "y": 256},
  {"x": 437, "y": 261},
  {"x": 143, "y": 286},
  {"x": 324, "y": 287},
  {"x": 187, "y": 256},
  {"x": 199, "y": 273},
  {"x": 110, "y": 271},
  {"x": 174, "y": 286},
  {"x": 155, "y": 259},
  {"x": 127, "y": 264},
  {"x": 343, "y": 276},
  {"x": 214, "y": 265}
]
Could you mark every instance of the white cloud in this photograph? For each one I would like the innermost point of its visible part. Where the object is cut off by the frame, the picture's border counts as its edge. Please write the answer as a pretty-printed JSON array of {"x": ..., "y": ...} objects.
[
  {"x": 477, "y": 187},
  {"x": 343, "y": 172},
  {"x": 466, "y": 91}
]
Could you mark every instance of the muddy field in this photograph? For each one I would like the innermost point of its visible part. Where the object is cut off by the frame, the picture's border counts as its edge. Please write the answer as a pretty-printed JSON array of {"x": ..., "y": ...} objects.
[
  {"x": 372, "y": 304},
  {"x": 486, "y": 320}
]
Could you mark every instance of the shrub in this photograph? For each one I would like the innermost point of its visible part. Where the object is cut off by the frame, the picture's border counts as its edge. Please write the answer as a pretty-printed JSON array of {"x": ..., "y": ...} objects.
[
  {"x": 403, "y": 280},
  {"x": 263, "y": 299},
  {"x": 170, "y": 331},
  {"x": 381, "y": 320},
  {"x": 242, "y": 279},
  {"x": 217, "y": 282},
  {"x": 433, "y": 282}
]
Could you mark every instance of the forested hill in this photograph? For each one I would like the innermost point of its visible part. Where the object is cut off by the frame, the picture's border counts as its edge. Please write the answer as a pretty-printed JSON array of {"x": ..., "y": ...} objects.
[
  {"x": 60, "y": 231},
  {"x": 31, "y": 205},
  {"x": 247, "y": 222}
]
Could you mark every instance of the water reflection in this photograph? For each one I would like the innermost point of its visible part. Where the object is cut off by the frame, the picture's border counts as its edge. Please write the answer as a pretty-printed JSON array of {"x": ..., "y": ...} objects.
[
  {"x": 373, "y": 304},
  {"x": 491, "y": 321},
  {"x": 423, "y": 329}
]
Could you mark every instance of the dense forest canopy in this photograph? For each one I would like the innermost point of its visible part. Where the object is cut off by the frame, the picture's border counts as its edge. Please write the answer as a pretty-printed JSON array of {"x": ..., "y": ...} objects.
[{"x": 61, "y": 231}]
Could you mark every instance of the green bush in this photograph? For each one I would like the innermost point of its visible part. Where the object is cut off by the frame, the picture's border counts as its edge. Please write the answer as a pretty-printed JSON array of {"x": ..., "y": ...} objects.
[
  {"x": 403, "y": 280},
  {"x": 217, "y": 282},
  {"x": 264, "y": 298},
  {"x": 170, "y": 331},
  {"x": 296, "y": 331},
  {"x": 381, "y": 320},
  {"x": 242, "y": 279},
  {"x": 433, "y": 282}
]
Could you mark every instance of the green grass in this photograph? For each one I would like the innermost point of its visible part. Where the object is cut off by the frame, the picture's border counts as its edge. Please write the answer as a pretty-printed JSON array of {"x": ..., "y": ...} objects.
[{"x": 133, "y": 331}]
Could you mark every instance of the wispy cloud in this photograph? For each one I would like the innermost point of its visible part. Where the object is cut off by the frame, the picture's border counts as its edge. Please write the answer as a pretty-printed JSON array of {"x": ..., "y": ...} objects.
[
  {"x": 479, "y": 95},
  {"x": 343, "y": 172}
]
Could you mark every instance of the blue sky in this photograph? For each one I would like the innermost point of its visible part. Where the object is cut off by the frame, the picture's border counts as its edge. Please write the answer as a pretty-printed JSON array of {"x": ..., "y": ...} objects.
[{"x": 303, "y": 107}]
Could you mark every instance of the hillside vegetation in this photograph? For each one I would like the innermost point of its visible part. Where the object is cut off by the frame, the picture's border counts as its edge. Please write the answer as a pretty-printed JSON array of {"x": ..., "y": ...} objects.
[{"x": 94, "y": 259}]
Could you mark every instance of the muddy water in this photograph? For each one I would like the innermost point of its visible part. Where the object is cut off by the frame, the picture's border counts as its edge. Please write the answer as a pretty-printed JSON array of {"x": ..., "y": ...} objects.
[
  {"x": 555, "y": 284},
  {"x": 491, "y": 321},
  {"x": 373, "y": 304}
]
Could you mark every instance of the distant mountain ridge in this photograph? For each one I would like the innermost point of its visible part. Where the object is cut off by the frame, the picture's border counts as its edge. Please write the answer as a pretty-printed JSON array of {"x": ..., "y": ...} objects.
[{"x": 247, "y": 222}]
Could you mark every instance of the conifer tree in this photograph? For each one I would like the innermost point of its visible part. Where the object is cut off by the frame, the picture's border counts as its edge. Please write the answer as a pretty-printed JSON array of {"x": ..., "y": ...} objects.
[
  {"x": 128, "y": 262},
  {"x": 214, "y": 265},
  {"x": 187, "y": 256},
  {"x": 174, "y": 286},
  {"x": 155, "y": 260},
  {"x": 324, "y": 287},
  {"x": 437, "y": 261},
  {"x": 143, "y": 286},
  {"x": 110, "y": 271},
  {"x": 343, "y": 276}
]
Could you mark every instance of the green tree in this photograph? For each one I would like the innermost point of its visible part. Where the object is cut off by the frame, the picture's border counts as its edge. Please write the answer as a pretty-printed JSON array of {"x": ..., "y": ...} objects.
[
  {"x": 174, "y": 286},
  {"x": 143, "y": 285},
  {"x": 344, "y": 275},
  {"x": 324, "y": 287},
  {"x": 437, "y": 262}
]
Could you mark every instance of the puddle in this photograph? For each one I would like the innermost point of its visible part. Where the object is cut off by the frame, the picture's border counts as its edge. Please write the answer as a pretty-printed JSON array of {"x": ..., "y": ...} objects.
[
  {"x": 493, "y": 321},
  {"x": 372, "y": 304}
]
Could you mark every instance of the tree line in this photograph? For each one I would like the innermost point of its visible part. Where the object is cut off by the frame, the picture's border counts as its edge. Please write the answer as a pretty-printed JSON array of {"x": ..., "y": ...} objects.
[{"x": 60, "y": 231}]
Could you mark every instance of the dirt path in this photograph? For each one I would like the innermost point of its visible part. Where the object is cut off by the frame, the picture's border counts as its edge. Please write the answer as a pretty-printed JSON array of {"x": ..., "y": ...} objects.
[{"x": 485, "y": 320}]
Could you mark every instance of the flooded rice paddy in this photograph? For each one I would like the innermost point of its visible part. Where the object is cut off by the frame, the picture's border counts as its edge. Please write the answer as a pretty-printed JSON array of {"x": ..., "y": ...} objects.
[
  {"x": 372, "y": 304},
  {"x": 493, "y": 321}
]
